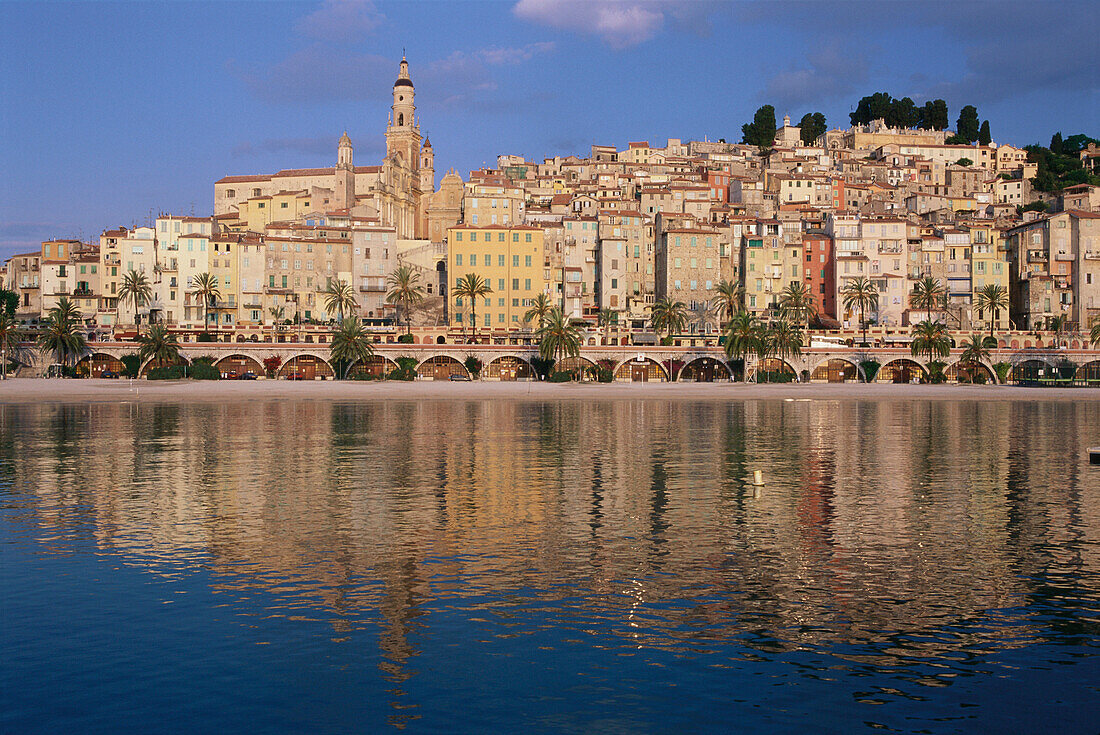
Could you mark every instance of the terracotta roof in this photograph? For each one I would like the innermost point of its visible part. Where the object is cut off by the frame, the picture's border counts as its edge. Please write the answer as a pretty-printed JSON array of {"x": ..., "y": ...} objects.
[{"x": 241, "y": 179}]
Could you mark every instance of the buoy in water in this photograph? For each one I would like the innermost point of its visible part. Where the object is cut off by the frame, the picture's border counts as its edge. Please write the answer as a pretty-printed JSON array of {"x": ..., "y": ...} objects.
[
  {"x": 1094, "y": 455},
  {"x": 757, "y": 477}
]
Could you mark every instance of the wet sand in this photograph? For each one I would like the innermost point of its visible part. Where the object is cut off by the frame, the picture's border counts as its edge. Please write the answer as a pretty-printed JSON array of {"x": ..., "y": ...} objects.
[{"x": 37, "y": 390}]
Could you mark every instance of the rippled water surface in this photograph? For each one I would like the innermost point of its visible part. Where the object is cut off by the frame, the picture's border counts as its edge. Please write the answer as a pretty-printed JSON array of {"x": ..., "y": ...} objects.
[{"x": 550, "y": 567}]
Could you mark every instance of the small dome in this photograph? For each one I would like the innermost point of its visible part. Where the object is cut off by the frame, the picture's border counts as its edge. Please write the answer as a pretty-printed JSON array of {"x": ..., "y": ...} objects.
[
  {"x": 344, "y": 139},
  {"x": 402, "y": 83}
]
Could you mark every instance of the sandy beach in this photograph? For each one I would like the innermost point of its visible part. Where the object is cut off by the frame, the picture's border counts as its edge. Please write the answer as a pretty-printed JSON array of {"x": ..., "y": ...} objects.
[{"x": 36, "y": 390}]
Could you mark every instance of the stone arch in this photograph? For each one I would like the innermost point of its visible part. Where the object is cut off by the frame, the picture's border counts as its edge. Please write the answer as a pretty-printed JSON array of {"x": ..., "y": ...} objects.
[
  {"x": 95, "y": 364},
  {"x": 427, "y": 340},
  {"x": 574, "y": 363},
  {"x": 150, "y": 364},
  {"x": 1032, "y": 368},
  {"x": 441, "y": 367},
  {"x": 305, "y": 366},
  {"x": 900, "y": 370},
  {"x": 836, "y": 370},
  {"x": 967, "y": 372},
  {"x": 705, "y": 369},
  {"x": 239, "y": 364},
  {"x": 641, "y": 371},
  {"x": 774, "y": 365},
  {"x": 1089, "y": 372},
  {"x": 509, "y": 367},
  {"x": 376, "y": 366}
]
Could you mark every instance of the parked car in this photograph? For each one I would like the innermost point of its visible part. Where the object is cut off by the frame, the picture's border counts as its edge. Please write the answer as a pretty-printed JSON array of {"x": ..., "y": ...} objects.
[
  {"x": 248, "y": 376},
  {"x": 233, "y": 375},
  {"x": 295, "y": 376},
  {"x": 459, "y": 376},
  {"x": 109, "y": 374}
]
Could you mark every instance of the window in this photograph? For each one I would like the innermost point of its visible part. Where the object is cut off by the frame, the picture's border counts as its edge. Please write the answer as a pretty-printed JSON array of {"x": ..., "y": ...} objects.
[
  {"x": 527, "y": 284},
  {"x": 527, "y": 237},
  {"x": 527, "y": 260},
  {"x": 515, "y": 284},
  {"x": 458, "y": 259},
  {"x": 500, "y": 287}
]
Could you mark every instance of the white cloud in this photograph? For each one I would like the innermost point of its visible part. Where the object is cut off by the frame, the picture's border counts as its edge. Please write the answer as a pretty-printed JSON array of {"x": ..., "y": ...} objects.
[
  {"x": 495, "y": 55},
  {"x": 343, "y": 21},
  {"x": 830, "y": 73},
  {"x": 620, "y": 23}
]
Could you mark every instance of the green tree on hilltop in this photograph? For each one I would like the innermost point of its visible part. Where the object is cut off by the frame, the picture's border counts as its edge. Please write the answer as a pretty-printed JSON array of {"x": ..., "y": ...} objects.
[
  {"x": 811, "y": 127},
  {"x": 966, "y": 127},
  {"x": 761, "y": 131}
]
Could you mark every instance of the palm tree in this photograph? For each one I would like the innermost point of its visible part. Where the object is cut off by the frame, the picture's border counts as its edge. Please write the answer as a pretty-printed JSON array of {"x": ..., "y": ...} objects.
[
  {"x": 350, "y": 344},
  {"x": 1057, "y": 324},
  {"x": 728, "y": 300},
  {"x": 797, "y": 302},
  {"x": 974, "y": 351},
  {"x": 559, "y": 337},
  {"x": 278, "y": 314},
  {"x": 135, "y": 288},
  {"x": 205, "y": 289},
  {"x": 607, "y": 316},
  {"x": 992, "y": 297},
  {"x": 1094, "y": 335},
  {"x": 540, "y": 307},
  {"x": 743, "y": 335},
  {"x": 930, "y": 338},
  {"x": 669, "y": 315},
  {"x": 63, "y": 333},
  {"x": 9, "y": 340},
  {"x": 785, "y": 338},
  {"x": 860, "y": 293},
  {"x": 473, "y": 287},
  {"x": 927, "y": 293},
  {"x": 339, "y": 297},
  {"x": 159, "y": 346},
  {"x": 405, "y": 291}
]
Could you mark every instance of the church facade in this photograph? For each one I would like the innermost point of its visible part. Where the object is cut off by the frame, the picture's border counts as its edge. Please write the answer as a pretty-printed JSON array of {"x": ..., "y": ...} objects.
[{"x": 395, "y": 194}]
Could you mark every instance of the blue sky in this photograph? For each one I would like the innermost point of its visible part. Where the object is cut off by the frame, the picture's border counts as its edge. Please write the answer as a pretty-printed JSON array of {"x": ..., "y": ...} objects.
[{"x": 111, "y": 111}]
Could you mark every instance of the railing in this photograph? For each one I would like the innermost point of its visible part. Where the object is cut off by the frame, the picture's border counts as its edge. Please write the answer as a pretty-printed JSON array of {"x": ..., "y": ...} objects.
[{"x": 1037, "y": 256}]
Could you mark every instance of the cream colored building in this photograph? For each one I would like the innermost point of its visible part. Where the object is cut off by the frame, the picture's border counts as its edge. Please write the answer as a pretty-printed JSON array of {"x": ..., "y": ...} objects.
[{"x": 395, "y": 193}]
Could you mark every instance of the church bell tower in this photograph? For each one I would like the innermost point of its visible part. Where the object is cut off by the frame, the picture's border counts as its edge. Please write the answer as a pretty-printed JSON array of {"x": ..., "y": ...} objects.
[{"x": 403, "y": 133}]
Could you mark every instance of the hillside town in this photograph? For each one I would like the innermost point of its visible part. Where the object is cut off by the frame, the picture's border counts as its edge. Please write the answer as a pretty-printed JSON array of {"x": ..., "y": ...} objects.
[{"x": 604, "y": 235}]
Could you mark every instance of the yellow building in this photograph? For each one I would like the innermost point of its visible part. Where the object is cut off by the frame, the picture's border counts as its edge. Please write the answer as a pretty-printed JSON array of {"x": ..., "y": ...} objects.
[
  {"x": 509, "y": 259},
  {"x": 988, "y": 265}
]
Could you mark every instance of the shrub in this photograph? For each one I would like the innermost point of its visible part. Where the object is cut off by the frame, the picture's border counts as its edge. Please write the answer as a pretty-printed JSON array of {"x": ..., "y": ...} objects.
[
  {"x": 870, "y": 370},
  {"x": 989, "y": 342},
  {"x": 737, "y": 367},
  {"x": 604, "y": 375},
  {"x": 542, "y": 367},
  {"x": 165, "y": 372},
  {"x": 272, "y": 364},
  {"x": 204, "y": 360},
  {"x": 666, "y": 341},
  {"x": 406, "y": 339},
  {"x": 1002, "y": 369},
  {"x": 132, "y": 363},
  {"x": 935, "y": 373},
  {"x": 202, "y": 371},
  {"x": 205, "y": 337},
  {"x": 778, "y": 376},
  {"x": 473, "y": 365},
  {"x": 562, "y": 376},
  {"x": 405, "y": 370},
  {"x": 979, "y": 377}
]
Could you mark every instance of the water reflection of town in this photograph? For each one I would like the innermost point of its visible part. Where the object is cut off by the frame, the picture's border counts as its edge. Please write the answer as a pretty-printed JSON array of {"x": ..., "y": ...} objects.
[{"x": 876, "y": 516}]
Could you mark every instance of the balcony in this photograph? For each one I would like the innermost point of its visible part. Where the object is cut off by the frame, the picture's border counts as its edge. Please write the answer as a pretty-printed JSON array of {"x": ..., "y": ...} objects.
[
  {"x": 1063, "y": 255},
  {"x": 371, "y": 288},
  {"x": 83, "y": 293},
  {"x": 1092, "y": 255},
  {"x": 1036, "y": 256}
]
